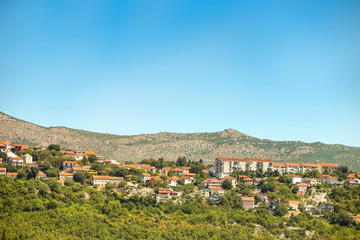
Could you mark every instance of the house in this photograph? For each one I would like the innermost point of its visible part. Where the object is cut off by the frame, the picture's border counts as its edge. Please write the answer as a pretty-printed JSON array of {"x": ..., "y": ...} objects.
[
  {"x": 165, "y": 170},
  {"x": 218, "y": 191},
  {"x": 165, "y": 194},
  {"x": 293, "y": 205},
  {"x": 68, "y": 165},
  {"x": 146, "y": 167},
  {"x": 232, "y": 180},
  {"x": 99, "y": 157},
  {"x": 280, "y": 167},
  {"x": 305, "y": 167},
  {"x": 225, "y": 166},
  {"x": 64, "y": 175},
  {"x": 302, "y": 186},
  {"x": 293, "y": 167},
  {"x": 204, "y": 193},
  {"x": 40, "y": 175},
  {"x": 177, "y": 171},
  {"x": 352, "y": 182},
  {"x": 3, "y": 171},
  {"x": 310, "y": 208},
  {"x": 263, "y": 197},
  {"x": 20, "y": 147},
  {"x": 145, "y": 177},
  {"x": 154, "y": 179},
  {"x": 37, "y": 148},
  {"x": 248, "y": 181},
  {"x": 6, "y": 146},
  {"x": 330, "y": 180},
  {"x": 12, "y": 174},
  {"x": 312, "y": 181},
  {"x": 79, "y": 168},
  {"x": 16, "y": 161},
  {"x": 188, "y": 180},
  {"x": 103, "y": 180},
  {"x": 327, "y": 167},
  {"x": 173, "y": 181},
  {"x": 247, "y": 202},
  {"x": 186, "y": 169},
  {"x": 326, "y": 207},
  {"x": 211, "y": 183},
  {"x": 28, "y": 159},
  {"x": 89, "y": 153},
  {"x": 295, "y": 178},
  {"x": 256, "y": 181},
  {"x": 93, "y": 172}
]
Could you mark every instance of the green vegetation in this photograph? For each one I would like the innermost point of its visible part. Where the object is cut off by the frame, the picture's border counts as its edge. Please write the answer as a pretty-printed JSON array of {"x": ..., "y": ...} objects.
[{"x": 33, "y": 209}]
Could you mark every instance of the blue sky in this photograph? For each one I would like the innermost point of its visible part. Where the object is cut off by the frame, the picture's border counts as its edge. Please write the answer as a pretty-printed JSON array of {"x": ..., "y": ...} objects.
[{"x": 281, "y": 70}]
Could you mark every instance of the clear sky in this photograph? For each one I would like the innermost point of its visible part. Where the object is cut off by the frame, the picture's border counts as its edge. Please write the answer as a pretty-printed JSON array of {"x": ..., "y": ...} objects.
[{"x": 281, "y": 70}]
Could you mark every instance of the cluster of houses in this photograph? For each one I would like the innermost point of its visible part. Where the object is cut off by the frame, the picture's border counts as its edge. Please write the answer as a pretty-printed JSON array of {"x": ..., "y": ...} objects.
[
  {"x": 225, "y": 166},
  {"x": 168, "y": 177}
]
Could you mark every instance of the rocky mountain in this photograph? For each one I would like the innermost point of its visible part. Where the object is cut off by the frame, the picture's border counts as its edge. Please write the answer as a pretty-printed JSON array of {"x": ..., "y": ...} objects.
[{"x": 206, "y": 146}]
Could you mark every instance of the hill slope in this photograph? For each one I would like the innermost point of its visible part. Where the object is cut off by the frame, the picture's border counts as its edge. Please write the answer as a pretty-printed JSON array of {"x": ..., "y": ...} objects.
[{"x": 207, "y": 146}]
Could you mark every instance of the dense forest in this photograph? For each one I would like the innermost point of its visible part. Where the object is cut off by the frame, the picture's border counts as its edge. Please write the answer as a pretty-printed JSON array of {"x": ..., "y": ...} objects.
[{"x": 34, "y": 209}]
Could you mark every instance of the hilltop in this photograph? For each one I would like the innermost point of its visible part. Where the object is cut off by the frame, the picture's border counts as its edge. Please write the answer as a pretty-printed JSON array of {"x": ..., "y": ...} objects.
[{"x": 206, "y": 146}]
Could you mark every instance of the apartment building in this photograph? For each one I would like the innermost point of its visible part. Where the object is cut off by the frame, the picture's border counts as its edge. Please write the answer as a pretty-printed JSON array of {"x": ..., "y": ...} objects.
[{"x": 225, "y": 166}]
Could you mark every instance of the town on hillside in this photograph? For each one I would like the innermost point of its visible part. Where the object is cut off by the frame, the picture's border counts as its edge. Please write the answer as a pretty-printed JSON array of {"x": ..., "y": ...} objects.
[{"x": 285, "y": 188}]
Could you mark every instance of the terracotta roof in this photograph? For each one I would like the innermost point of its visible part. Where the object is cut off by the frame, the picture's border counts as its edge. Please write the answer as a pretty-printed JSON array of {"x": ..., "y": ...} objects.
[
  {"x": 279, "y": 164},
  {"x": 248, "y": 199},
  {"x": 186, "y": 168},
  {"x": 248, "y": 179},
  {"x": 309, "y": 165},
  {"x": 242, "y": 176},
  {"x": 11, "y": 174},
  {"x": 217, "y": 189},
  {"x": 146, "y": 174},
  {"x": 244, "y": 159},
  {"x": 228, "y": 177},
  {"x": 294, "y": 202},
  {"x": 166, "y": 168},
  {"x": 212, "y": 180},
  {"x": 5, "y": 142},
  {"x": 40, "y": 173},
  {"x": 3, "y": 145},
  {"x": 107, "y": 177},
  {"x": 128, "y": 176},
  {"x": 174, "y": 178},
  {"x": 65, "y": 174},
  {"x": 156, "y": 178},
  {"x": 89, "y": 153},
  {"x": 293, "y": 164},
  {"x": 72, "y": 162},
  {"x": 37, "y": 146},
  {"x": 327, "y": 164},
  {"x": 176, "y": 170},
  {"x": 2, "y": 169}
]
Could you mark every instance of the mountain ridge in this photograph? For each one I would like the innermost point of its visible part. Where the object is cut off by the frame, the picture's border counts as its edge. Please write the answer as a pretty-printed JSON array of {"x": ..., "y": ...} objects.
[{"x": 168, "y": 145}]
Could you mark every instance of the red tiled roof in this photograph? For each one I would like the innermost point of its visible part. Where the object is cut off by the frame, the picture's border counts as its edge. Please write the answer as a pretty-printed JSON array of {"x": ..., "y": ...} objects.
[
  {"x": 174, "y": 178},
  {"x": 294, "y": 202},
  {"x": 244, "y": 159},
  {"x": 293, "y": 164},
  {"x": 228, "y": 177},
  {"x": 2, "y": 169},
  {"x": 65, "y": 174},
  {"x": 11, "y": 174},
  {"x": 40, "y": 173},
  {"x": 186, "y": 168},
  {"x": 156, "y": 178},
  {"x": 146, "y": 174},
  {"x": 167, "y": 168},
  {"x": 248, "y": 199},
  {"x": 212, "y": 180},
  {"x": 279, "y": 164},
  {"x": 108, "y": 177},
  {"x": 5, "y": 142},
  {"x": 292, "y": 176},
  {"x": 89, "y": 153},
  {"x": 242, "y": 176},
  {"x": 309, "y": 165},
  {"x": 217, "y": 189},
  {"x": 176, "y": 170}
]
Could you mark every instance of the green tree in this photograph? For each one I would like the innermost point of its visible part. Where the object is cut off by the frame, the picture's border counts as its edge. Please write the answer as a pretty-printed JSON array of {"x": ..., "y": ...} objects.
[
  {"x": 281, "y": 210},
  {"x": 54, "y": 147},
  {"x": 227, "y": 184},
  {"x": 81, "y": 176}
]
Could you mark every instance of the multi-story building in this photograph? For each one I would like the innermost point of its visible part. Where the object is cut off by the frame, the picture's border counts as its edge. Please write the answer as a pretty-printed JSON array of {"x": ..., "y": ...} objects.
[
  {"x": 103, "y": 180},
  {"x": 308, "y": 167},
  {"x": 327, "y": 167},
  {"x": 225, "y": 166},
  {"x": 280, "y": 167},
  {"x": 293, "y": 167}
]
